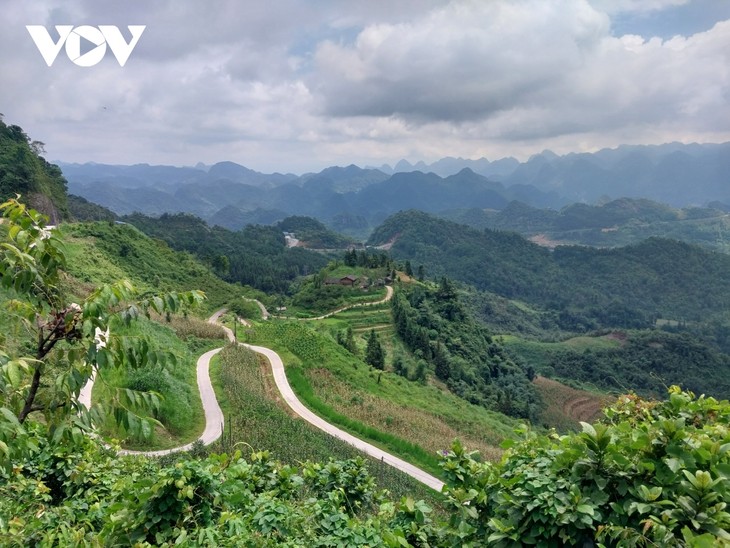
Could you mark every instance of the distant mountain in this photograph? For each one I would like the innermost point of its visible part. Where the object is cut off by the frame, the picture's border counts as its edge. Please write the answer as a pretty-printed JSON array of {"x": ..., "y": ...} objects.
[
  {"x": 227, "y": 192},
  {"x": 449, "y": 166},
  {"x": 586, "y": 288},
  {"x": 675, "y": 174},
  {"x": 614, "y": 223}
]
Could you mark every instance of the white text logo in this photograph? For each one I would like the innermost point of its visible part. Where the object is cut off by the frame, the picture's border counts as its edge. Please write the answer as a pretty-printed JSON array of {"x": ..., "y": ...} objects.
[{"x": 99, "y": 38}]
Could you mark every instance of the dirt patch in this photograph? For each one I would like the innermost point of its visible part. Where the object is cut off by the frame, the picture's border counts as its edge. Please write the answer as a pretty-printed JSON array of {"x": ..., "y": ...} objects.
[
  {"x": 544, "y": 241},
  {"x": 567, "y": 406}
]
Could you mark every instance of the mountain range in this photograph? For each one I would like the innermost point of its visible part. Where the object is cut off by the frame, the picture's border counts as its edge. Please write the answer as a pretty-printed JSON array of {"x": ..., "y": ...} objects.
[{"x": 352, "y": 199}]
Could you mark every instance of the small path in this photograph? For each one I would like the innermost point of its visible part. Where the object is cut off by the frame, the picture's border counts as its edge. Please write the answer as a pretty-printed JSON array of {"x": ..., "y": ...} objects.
[
  {"x": 388, "y": 296},
  {"x": 213, "y": 414}
]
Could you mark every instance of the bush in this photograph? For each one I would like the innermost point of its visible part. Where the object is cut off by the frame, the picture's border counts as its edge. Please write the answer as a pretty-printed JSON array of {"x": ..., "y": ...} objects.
[{"x": 651, "y": 474}]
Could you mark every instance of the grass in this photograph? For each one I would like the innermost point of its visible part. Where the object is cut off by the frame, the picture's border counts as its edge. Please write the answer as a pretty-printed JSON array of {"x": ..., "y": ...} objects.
[
  {"x": 538, "y": 353},
  {"x": 102, "y": 253},
  {"x": 425, "y": 416},
  {"x": 255, "y": 421}
]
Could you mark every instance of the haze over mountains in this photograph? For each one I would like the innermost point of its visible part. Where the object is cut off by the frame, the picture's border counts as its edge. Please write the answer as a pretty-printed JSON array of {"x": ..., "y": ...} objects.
[{"x": 232, "y": 195}]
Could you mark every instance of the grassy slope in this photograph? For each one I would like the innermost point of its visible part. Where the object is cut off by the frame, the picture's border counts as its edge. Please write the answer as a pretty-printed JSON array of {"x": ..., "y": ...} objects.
[
  {"x": 343, "y": 388},
  {"x": 102, "y": 252}
]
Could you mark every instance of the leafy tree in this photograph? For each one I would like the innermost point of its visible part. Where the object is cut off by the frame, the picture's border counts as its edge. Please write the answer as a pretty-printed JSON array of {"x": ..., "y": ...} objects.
[
  {"x": 374, "y": 353},
  {"x": 54, "y": 345}
]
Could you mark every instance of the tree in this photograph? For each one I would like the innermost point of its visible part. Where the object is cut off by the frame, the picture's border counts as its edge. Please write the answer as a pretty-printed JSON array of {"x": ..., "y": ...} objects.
[
  {"x": 374, "y": 354},
  {"x": 57, "y": 345},
  {"x": 409, "y": 269}
]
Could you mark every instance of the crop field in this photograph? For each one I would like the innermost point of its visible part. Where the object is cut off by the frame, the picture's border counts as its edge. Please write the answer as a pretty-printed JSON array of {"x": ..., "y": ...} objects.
[
  {"x": 424, "y": 415},
  {"x": 256, "y": 421},
  {"x": 565, "y": 406}
]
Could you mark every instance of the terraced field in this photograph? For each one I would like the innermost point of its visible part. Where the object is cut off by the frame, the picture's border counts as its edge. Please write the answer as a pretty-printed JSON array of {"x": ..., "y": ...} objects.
[{"x": 565, "y": 406}]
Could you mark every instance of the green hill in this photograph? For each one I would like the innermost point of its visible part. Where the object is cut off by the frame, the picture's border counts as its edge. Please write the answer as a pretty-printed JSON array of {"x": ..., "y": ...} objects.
[
  {"x": 256, "y": 255},
  {"x": 616, "y": 223},
  {"x": 24, "y": 171},
  {"x": 625, "y": 287}
]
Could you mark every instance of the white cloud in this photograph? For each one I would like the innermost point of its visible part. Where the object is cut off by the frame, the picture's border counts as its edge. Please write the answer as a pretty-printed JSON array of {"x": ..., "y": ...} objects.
[
  {"x": 635, "y": 6},
  {"x": 282, "y": 86}
]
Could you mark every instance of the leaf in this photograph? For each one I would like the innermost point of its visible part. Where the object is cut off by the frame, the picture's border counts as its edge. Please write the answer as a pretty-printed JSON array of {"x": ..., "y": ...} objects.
[
  {"x": 585, "y": 509},
  {"x": 673, "y": 464}
]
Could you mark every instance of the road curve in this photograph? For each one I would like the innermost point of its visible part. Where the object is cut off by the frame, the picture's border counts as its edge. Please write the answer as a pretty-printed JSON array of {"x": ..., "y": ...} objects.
[
  {"x": 214, "y": 415},
  {"x": 282, "y": 383},
  {"x": 388, "y": 296}
]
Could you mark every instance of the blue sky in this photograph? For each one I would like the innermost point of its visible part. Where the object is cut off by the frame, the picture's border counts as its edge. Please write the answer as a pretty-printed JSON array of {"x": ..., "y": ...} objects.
[{"x": 298, "y": 85}]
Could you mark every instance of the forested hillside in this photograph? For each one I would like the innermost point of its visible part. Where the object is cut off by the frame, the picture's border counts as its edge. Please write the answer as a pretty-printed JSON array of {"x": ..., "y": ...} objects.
[
  {"x": 616, "y": 223},
  {"x": 256, "y": 256},
  {"x": 436, "y": 327},
  {"x": 590, "y": 288},
  {"x": 24, "y": 171}
]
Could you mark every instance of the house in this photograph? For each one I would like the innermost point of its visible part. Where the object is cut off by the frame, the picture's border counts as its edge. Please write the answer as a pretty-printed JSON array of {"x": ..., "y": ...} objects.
[{"x": 348, "y": 280}]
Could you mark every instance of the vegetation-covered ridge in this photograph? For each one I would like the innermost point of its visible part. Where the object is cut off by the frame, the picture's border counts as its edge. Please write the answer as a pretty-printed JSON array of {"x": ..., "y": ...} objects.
[
  {"x": 584, "y": 288},
  {"x": 24, "y": 171},
  {"x": 437, "y": 328},
  {"x": 615, "y": 223},
  {"x": 256, "y": 255}
]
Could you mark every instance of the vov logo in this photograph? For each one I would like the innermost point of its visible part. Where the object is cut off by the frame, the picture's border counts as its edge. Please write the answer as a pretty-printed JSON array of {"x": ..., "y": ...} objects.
[{"x": 98, "y": 37}]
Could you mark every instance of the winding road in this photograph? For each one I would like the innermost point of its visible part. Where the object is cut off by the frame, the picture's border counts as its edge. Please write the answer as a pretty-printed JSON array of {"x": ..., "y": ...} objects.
[{"x": 214, "y": 416}]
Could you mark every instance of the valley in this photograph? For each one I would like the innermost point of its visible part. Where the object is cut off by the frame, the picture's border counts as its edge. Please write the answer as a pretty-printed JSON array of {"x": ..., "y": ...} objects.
[{"x": 450, "y": 352}]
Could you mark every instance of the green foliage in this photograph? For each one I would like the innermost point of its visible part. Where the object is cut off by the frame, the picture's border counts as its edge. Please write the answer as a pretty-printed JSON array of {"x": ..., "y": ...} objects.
[
  {"x": 23, "y": 171},
  {"x": 245, "y": 308},
  {"x": 61, "y": 343},
  {"x": 83, "y": 210},
  {"x": 256, "y": 255},
  {"x": 103, "y": 252},
  {"x": 434, "y": 324},
  {"x": 619, "y": 222},
  {"x": 584, "y": 288},
  {"x": 645, "y": 361},
  {"x": 374, "y": 353},
  {"x": 652, "y": 474}
]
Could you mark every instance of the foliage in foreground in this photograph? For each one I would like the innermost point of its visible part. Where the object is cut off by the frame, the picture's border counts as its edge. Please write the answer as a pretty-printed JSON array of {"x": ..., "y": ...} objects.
[
  {"x": 652, "y": 474},
  {"x": 50, "y": 347}
]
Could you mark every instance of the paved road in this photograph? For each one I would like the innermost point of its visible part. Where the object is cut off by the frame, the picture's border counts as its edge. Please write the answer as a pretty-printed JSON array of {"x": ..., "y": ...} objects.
[
  {"x": 214, "y": 415},
  {"x": 291, "y": 399}
]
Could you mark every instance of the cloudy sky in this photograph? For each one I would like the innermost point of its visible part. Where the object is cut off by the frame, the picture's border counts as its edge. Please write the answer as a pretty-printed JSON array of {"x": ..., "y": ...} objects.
[{"x": 298, "y": 85}]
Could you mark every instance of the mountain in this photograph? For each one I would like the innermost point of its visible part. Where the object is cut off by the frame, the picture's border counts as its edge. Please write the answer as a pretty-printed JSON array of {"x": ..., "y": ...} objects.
[
  {"x": 589, "y": 288},
  {"x": 674, "y": 173},
  {"x": 226, "y": 192},
  {"x": 610, "y": 224}
]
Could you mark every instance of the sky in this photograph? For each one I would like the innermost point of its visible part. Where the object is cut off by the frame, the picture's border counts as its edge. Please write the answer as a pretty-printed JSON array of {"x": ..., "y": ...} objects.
[{"x": 299, "y": 85}]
